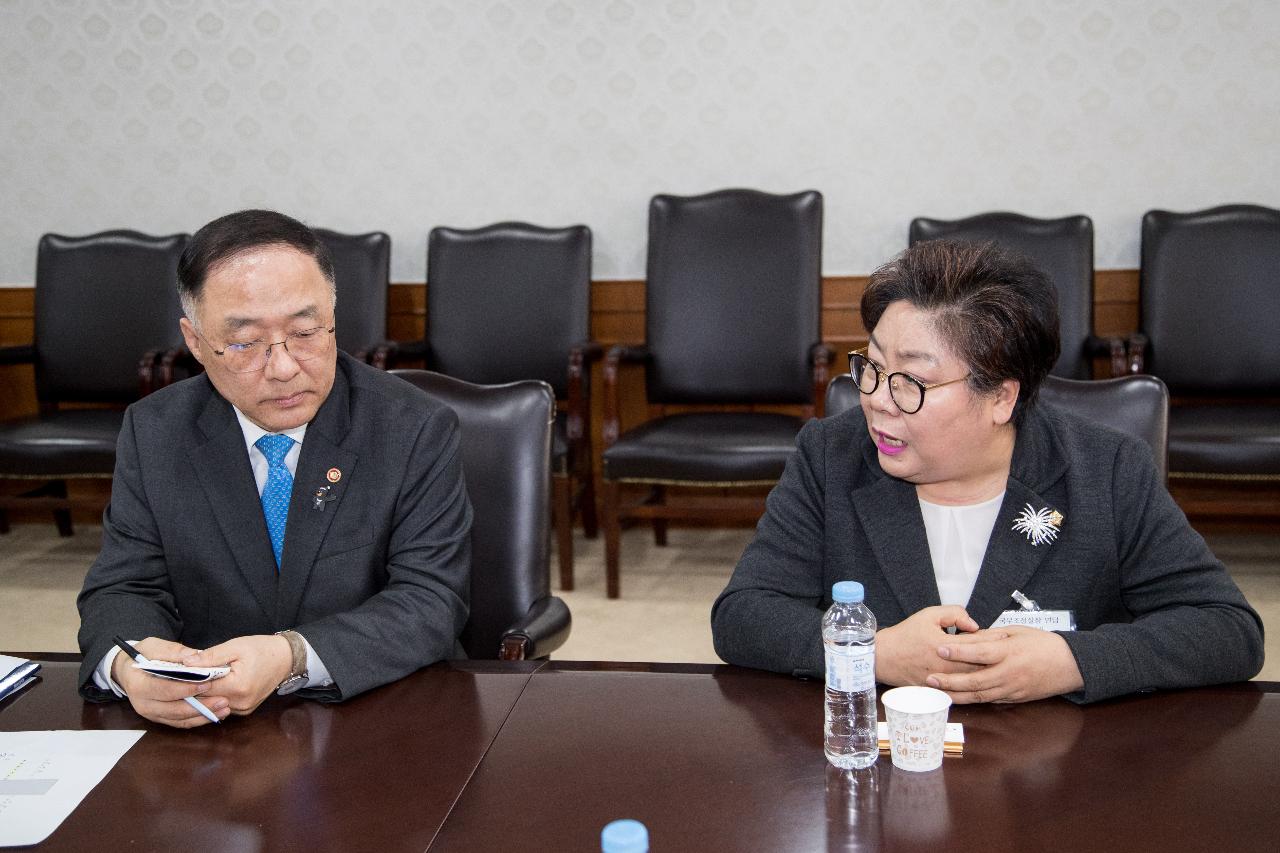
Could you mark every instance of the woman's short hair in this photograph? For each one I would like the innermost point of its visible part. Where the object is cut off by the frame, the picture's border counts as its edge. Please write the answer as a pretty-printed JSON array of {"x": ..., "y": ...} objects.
[
  {"x": 236, "y": 233},
  {"x": 995, "y": 309}
]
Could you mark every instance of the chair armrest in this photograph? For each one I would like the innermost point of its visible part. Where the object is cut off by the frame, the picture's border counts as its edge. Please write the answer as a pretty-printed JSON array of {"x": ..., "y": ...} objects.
[
  {"x": 636, "y": 353},
  {"x": 1112, "y": 347},
  {"x": 1138, "y": 344},
  {"x": 21, "y": 354},
  {"x": 821, "y": 357},
  {"x": 590, "y": 351},
  {"x": 170, "y": 359},
  {"x": 377, "y": 354},
  {"x": 542, "y": 630},
  {"x": 148, "y": 370},
  {"x": 612, "y": 409},
  {"x": 391, "y": 354},
  {"x": 580, "y": 358}
]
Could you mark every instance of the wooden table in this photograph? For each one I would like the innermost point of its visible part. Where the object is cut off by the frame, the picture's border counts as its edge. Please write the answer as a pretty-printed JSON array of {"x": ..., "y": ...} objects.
[{"x": 480, "y": 756}]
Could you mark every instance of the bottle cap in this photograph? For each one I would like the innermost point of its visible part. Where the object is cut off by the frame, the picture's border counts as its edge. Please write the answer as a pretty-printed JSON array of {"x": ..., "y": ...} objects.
[
  {"x": 847, "y": 592},
  {"x": 624, "y": 836}
]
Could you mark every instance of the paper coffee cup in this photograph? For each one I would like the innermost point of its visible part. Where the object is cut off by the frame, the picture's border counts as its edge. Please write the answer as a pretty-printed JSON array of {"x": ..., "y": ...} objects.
[{"x": 917, "y": 722}]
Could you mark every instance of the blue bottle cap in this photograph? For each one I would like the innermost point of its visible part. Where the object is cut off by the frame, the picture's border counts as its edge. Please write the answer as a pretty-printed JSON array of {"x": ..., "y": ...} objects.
[
  {"x": 847, "y": 592},
  {"x": 624, "y": 836}
]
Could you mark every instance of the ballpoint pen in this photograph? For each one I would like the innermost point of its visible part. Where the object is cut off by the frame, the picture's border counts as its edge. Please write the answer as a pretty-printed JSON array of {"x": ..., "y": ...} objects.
[{"x": 138, "y": 657}]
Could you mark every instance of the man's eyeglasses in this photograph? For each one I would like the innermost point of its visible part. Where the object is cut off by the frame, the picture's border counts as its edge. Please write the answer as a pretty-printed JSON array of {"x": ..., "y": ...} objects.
[
  {"x": 253, "y": 356},
  {"x": 906, "y": 391}
]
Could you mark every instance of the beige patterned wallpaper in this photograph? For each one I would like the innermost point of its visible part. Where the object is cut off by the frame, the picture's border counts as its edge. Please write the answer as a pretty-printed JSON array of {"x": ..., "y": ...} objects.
[{"x": 404, "y": 114}]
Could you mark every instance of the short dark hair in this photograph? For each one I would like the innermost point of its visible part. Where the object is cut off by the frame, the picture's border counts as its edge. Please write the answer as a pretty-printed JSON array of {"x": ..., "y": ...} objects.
[
  {"x": 993, "y": 308},
  {"x": 228, "y": 236}
]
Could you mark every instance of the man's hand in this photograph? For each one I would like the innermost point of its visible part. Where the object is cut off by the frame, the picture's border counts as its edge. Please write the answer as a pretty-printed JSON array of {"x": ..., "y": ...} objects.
[
  {"x": 159, "y": 699},
  {"x": 1025, "y": 664},
  {"x": 908, "y": 652},
  {"x": 258, "y": 664}
]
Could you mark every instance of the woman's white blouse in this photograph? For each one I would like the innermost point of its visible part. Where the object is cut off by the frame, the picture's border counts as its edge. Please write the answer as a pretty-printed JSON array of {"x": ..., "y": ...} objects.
[{"x": 958, "y": 537}]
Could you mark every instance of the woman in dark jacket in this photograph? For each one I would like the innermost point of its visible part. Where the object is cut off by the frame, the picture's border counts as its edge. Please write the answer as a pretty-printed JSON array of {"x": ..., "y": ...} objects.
[{"x": 950, "y": 490}]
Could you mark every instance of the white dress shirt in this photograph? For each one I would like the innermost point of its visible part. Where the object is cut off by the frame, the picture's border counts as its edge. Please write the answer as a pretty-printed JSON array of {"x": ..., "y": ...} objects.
[
  {"x": 317, "y": 672},
  {"x": 958, "y": 537}
]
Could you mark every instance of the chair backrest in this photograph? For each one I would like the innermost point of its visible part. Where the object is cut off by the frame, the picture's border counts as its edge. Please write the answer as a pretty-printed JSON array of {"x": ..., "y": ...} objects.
[
  {"x": 842, "y": 395},
  {"x": 506, "y": 459},
  {"x": 1063, "y": 248},
  {"x": 732, "y": 297},
  {"x": 103, "y": 301},
  {"x": 1211, "y": 299},
  {"x": 1137, "y": 405},
  {"x": 508, "y": 301},
  {"x": 362, "y": 271}
]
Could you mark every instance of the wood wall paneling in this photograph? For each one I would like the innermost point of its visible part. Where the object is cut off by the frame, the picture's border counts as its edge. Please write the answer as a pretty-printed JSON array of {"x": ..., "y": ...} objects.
[
  {"x": 617, "y": 317},
  {"x": 17, "y": 327},
  {"x": 1115, "y": 302},
  {"x": 406, "y": 312}
]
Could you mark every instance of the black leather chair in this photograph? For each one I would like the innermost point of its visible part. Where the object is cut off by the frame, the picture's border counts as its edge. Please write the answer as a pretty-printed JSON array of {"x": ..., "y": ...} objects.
[
  {"x": 842, "y": 395},
  {"x": 106, "y": 307},
  {"x": 1063, "y": 248},
  {"x": 506, "y": 439},
  {"x": 512, "y": 301},
  {"x": 732, "y": 307},
  {"x": 1210, "y": 297},
  {"x": 1137, "y": 405},
  {"x": 362, "y": 272}
]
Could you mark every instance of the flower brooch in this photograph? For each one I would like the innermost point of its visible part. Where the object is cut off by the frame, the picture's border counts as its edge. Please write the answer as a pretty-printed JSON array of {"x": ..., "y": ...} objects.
[{"x": 1040, "y": 526}]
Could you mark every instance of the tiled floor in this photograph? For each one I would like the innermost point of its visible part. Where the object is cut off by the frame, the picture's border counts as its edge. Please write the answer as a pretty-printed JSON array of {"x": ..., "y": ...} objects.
[{"x": 663, "y": 614}]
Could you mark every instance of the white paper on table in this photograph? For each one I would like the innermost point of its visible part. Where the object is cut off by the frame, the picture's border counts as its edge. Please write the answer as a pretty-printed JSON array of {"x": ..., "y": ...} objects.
[
  {"x": 8, "y": 664},
  {"x": 15, "y": 673},
  {"x": 954, "y": 734},
  {"x": 56, "y": 770}
]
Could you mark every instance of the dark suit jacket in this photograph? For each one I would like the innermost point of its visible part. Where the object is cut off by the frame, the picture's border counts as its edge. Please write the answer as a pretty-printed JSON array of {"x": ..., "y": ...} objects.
[
  {"x": 1154, "y": 608},
  {"x": 377, "y": 581}
]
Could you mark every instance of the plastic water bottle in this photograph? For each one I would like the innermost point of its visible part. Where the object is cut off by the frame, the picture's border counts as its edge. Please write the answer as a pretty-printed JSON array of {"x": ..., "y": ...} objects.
[
  {"x": 849, "y": 635},
  {"x": 624, "y": 836}
]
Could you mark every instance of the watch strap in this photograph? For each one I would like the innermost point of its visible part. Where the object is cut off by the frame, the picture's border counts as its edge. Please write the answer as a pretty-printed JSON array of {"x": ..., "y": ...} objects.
[{"x": 298, "y": 664}]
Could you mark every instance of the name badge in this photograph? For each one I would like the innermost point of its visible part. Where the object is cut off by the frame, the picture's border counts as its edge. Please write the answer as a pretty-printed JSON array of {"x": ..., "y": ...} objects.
[{"x": 1047, "y": 620}]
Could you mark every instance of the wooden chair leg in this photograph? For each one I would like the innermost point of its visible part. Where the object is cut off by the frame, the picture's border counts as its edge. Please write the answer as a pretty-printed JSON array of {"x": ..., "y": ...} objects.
[
  {"x": 659, "y": 524},
  {"x": 612, "y": 537},
  {"x": 587, "y": 506},
  {"x": 50, "y": 494},
  {"x": 562, "y": 520},
  {"x": 61, "y": 517}
]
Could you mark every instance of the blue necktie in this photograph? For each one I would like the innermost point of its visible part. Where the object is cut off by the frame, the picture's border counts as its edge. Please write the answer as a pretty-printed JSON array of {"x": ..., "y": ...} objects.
[{"x": 275, "y": 494}]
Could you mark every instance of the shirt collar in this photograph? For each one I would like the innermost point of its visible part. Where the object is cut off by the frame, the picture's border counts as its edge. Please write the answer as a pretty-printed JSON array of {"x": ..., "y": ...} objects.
[{"x": 253, "y": 432}]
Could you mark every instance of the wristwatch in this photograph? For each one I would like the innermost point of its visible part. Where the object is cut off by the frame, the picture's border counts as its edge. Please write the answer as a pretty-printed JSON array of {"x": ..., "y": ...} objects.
[{"x": 297, "y": 677}]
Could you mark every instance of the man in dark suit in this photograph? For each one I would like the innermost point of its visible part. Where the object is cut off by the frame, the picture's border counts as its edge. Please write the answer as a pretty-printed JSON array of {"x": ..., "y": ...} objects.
[{"x": 290, "y": 513}]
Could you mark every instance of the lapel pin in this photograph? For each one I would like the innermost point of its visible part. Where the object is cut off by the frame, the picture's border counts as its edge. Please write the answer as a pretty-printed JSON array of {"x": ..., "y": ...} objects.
[
  {"x": 333, "y": 475},
  {"x": 1040, "y": 526},
  {"x": 322, "y": 496}
]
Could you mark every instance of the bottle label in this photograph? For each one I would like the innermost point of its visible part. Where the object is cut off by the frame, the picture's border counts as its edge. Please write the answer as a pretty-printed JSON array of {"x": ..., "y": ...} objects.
[{"x": 851, "y": 669}]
